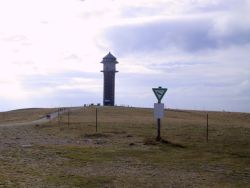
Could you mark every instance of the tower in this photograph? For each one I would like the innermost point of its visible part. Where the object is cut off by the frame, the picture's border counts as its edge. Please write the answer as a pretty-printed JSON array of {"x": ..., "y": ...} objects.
[{"x": 109, "y": 63}]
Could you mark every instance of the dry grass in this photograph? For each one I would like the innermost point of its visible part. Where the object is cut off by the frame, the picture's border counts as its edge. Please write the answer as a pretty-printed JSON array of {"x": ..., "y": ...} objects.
[
  {"x": 24, "y": 115},
  {"x": 124, "y": 153}
]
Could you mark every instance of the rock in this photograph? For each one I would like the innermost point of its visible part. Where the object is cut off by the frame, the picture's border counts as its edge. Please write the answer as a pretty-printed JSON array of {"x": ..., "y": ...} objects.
[{"x": 27, "y": 146}]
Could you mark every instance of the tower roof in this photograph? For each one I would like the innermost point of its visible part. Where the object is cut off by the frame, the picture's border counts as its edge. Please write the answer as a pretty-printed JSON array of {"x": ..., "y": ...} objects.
[{"x": 109, "y": 58}]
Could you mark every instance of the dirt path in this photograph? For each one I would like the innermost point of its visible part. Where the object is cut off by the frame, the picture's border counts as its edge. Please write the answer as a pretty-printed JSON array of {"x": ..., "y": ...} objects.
[{"x": 39, "y": 121}]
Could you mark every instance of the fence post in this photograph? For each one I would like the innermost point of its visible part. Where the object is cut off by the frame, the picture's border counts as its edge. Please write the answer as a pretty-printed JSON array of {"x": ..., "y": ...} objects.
[
  {"x": 68, "y": 117},
  {"x": 207, "y": 127},
  {"x": 96, "y": 120},
  {"x": 58, "y": 116}
]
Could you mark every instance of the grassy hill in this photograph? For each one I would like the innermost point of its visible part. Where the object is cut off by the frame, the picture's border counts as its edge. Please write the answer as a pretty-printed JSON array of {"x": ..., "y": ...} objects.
[
  {"x": 123, "y": 152},
  {"x": 24, "y": 115}
]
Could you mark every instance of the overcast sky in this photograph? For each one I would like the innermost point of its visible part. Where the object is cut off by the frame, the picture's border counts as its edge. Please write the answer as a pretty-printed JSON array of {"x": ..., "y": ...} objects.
[{"x": 50, "y": 52}]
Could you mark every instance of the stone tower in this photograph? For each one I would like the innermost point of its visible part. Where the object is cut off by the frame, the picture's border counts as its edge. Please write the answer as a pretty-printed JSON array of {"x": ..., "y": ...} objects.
[{"x": 109, "y": 70}]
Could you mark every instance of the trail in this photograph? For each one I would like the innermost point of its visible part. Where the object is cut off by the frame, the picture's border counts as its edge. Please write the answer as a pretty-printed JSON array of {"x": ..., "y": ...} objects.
[{"x": 43, "y": 120}]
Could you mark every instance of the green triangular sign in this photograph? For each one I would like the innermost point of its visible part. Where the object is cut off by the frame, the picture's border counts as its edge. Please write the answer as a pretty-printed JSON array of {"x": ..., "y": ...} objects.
[{"x": 159, "y": 92}]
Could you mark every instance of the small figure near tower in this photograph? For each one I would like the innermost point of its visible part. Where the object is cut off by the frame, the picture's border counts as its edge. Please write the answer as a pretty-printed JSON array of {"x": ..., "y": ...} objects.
[{"x": 109, "y": 70}]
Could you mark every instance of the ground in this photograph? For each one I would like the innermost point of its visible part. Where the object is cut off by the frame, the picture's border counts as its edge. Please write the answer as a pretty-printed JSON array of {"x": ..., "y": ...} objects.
[{"x": 68, "y": 152}]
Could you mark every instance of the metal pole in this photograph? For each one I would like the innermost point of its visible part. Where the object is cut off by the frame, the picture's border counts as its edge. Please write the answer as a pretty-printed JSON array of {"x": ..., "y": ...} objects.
[
  {"x": 207, "y": 127},
  {"x": 96, "y": 119}
]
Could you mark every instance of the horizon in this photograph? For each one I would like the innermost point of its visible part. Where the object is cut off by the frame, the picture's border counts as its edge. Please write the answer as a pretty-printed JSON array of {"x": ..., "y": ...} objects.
[
  {"x": 50, "y": 53},
  {"x": 125, "y": 106}
]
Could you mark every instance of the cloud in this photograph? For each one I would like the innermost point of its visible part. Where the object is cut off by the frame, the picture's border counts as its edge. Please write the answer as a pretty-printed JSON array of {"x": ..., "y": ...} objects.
[
  {"x": 187, "y": 25},
  {"x": 73, "y": 57},
  {"x": 15, "y": 38},
  {"x": 192, "y": 35},
  {"x": 64, "y": 81}
]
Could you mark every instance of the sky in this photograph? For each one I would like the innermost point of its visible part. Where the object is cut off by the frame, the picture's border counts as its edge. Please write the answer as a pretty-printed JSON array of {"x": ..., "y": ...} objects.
[{"x": 50, "y": 52}]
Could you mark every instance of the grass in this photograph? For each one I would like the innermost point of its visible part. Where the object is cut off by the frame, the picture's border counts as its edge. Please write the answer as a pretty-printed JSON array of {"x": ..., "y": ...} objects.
[
  {"x": 124, "y": 147},
  {"x": 96, "y": 135},
  {"x": 78, "y": 181},
  {"x": 24, "y": 115}
]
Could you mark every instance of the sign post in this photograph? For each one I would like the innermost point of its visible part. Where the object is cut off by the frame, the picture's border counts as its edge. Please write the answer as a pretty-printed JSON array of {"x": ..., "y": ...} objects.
[{"x": 159, "y": 109}]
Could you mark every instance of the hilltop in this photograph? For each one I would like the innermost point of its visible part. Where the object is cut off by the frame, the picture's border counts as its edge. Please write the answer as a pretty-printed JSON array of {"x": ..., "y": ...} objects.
[{"x": 123, "y": 152}]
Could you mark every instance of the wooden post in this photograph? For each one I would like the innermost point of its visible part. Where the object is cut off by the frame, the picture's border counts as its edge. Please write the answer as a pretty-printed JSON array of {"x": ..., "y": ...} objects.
[
  {"x": 58, "y": 117},
  {"x": 207, "y": 127},
  {"x": 96, "y": 120},
  {"x": 68, "y": 117},
  {"x": 158, "y": 138}
]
